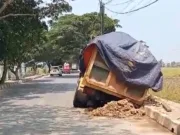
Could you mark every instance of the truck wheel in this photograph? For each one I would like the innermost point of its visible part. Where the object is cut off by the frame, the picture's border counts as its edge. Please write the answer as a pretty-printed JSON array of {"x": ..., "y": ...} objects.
[{"x": 80, "y": 99}]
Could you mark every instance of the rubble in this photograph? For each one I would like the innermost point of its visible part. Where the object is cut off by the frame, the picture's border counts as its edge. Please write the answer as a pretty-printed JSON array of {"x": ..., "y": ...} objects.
[
  {"x": 151, "y": 100},
  {"x": 155, "y": 101},
  {"x": 118, "y": 109}
]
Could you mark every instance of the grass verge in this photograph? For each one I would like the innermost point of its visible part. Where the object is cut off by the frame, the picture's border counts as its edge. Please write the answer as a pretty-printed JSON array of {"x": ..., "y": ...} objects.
[{"x": 171, "y": 85}]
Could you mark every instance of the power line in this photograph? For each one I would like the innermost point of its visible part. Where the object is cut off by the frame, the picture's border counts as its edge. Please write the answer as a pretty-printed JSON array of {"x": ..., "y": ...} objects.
[
  {"x": 136, "y": 5},
  {"x": 128, "y": 5},
  {"x": 134, "y": 9},
  {"x": 129, "y": 2},
  {"x": 149, "y": 1},
  {"x": 108, "y": 2},
  {"x": 139, "y": 4},
  {"x": 122, "y": 3}
]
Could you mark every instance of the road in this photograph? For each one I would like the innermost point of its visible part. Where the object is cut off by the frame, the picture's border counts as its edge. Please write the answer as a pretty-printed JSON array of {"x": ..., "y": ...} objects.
[{"x": 44, "y": 106}]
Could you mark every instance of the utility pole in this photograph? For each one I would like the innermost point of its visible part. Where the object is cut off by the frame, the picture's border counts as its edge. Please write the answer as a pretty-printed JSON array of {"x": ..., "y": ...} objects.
[{"x": 102, "y": 16}]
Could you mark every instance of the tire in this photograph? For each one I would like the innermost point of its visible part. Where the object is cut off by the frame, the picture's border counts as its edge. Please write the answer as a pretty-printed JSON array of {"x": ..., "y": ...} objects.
[
  {"x": 51, "y": 75},
  {"x": 60, "y": 74},
  {"x": 80, "y": 99}
]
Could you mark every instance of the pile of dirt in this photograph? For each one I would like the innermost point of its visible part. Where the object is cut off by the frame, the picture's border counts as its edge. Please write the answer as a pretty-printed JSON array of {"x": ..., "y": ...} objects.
[{"x": 119, "y": 109}]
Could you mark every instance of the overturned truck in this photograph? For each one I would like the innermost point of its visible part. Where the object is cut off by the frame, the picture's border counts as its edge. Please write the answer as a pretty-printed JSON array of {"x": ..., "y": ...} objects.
[{"x": 114, "y": 66}]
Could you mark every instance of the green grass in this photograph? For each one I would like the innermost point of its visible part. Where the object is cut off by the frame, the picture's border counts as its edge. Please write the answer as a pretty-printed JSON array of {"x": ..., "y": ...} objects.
[
  {"x": 171, "y": 72},
  {"x": 171, "y": 85}
]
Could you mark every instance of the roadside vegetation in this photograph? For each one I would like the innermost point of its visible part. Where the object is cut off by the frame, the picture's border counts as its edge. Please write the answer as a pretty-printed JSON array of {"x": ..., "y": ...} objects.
[
  {"x": 24, "y": 36},
  {"x": 171, "y": 72},
  {"x": 171, "y": 86}
]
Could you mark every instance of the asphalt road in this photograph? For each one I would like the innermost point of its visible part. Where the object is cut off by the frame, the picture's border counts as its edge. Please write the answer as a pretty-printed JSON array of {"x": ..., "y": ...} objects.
[{"x": 44, "y": 106}]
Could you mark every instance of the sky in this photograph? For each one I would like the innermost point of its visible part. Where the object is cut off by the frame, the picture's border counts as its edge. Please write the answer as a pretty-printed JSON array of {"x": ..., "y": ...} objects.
[{"x": 157, "y": 25}]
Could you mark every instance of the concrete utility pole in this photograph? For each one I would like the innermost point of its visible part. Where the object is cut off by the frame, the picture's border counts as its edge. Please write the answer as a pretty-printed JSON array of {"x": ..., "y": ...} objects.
[{"x": 102, "y": 16}]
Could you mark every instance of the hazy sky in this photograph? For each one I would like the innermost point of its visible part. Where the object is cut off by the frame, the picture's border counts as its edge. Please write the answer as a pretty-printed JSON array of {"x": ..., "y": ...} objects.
[{"x": 157, "y": 25}]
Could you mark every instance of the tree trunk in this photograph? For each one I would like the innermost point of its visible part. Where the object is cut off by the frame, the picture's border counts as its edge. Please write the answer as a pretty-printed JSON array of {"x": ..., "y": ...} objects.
[
  {"x": 34, "y": 69},
  {"x": 3, "y": 78},
  {"x": 16, "y": 71},
  {"x": 16, "y": 74},
  {"x": 49, "y": 67},
  {"x": 12, "y": 70}
]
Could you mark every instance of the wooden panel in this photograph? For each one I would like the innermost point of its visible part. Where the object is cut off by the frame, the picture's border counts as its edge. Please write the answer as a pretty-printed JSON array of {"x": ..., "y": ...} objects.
[
  {"x": 136, "y": 92},
  {"x": 119, "y": 87},
  {"x": 91, "y": 62},
  {"x": 87, "y": 53},
  {"x": 112, "y": 91},
  {"x": 102, "y": 88},
  {"x": 99, "y": 62},
  {"x": 97, "y": 76},
  {"x": 97, "y": 70},
  {"x": 108, "y": 79}
]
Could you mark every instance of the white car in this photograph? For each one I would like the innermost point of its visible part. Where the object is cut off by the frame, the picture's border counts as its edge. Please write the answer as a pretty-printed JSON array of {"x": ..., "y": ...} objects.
[{"x": 55, "y": 70}]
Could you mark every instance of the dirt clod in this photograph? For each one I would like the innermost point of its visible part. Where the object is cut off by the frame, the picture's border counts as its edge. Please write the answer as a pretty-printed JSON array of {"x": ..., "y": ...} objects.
[
  {"x": 119, "y": 109},
  {"x": 151, "y": 100}
]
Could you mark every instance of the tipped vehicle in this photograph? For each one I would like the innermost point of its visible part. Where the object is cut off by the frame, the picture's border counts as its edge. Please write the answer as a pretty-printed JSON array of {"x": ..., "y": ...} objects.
[{"x": 115, "y": 66}]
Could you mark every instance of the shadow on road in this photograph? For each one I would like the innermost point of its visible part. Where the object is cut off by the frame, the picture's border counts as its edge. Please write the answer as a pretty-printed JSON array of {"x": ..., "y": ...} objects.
[
  {"x": 20, "y": 120},
  {"x": 66, "y": 76},
  {"x": 71, "y": 76},
  {"x": 23, "y": 91},
  {"x": 42, "y": 81}
]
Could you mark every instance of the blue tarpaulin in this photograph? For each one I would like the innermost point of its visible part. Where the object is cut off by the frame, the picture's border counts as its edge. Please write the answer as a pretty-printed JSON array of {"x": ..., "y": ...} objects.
[{"x": 129, "y": 59}]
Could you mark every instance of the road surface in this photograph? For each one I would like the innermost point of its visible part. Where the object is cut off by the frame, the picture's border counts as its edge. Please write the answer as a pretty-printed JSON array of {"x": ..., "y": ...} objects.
[{"x": 44, "y": 106}]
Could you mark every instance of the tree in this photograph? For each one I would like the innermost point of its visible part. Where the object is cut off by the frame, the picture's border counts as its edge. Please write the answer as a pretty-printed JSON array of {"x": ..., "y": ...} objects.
[
  {"x": 168, "y": 64},
  {"x": 22, "y": 33},
  {"x": 173, "y": 64},
  {"x": 51, "y": 9},
  {"x": 162, "y": 63},
  {"x": 16, "y": 31},
  {"x": 2, "y": 47},
  {"x": 70, "y": 33}
]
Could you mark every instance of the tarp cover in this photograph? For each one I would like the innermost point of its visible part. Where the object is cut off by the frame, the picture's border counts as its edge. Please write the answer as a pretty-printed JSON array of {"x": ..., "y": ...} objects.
[{"x": 129, "y": 59}]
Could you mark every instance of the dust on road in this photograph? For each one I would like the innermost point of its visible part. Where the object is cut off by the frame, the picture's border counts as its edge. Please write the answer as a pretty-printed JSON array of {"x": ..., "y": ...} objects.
[{"x": 44, "y": 106}]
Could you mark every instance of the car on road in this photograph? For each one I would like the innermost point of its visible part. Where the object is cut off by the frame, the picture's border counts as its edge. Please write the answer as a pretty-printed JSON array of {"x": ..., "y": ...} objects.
[{"x": 55, "y": 70}]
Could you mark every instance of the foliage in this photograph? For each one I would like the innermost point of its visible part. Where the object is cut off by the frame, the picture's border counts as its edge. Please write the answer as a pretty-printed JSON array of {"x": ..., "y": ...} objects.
[
  {"x": 20, "y": 33},
  {"x": 21, "y": 28},
  {"x": 70, "y": 33},
  {"x": 51, "y": 9}
]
